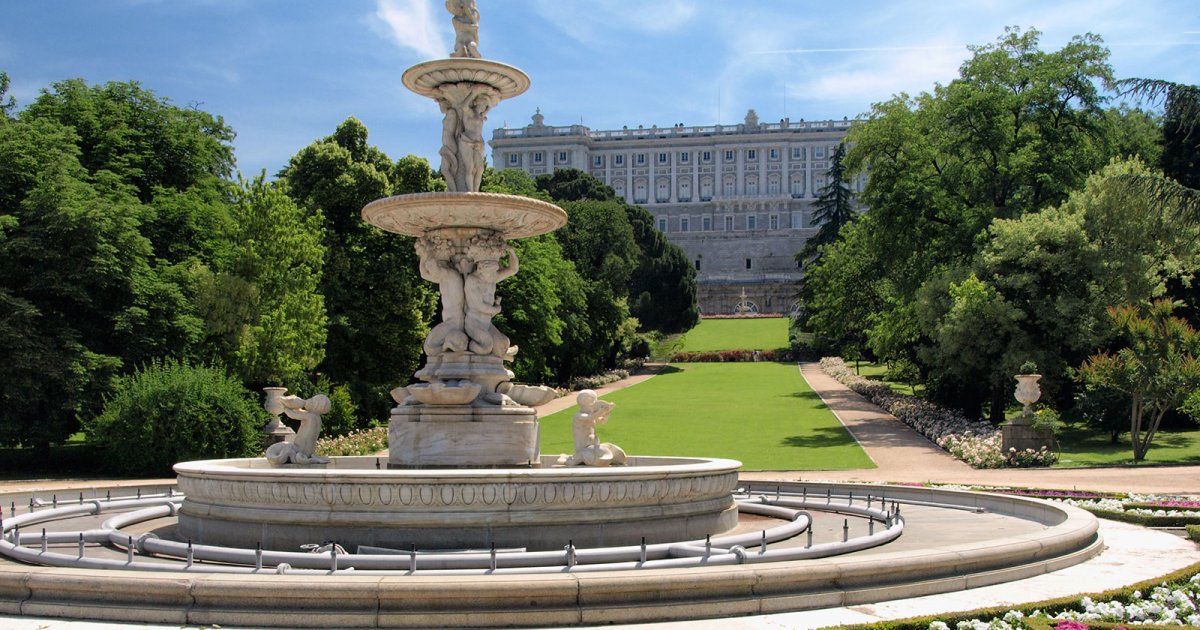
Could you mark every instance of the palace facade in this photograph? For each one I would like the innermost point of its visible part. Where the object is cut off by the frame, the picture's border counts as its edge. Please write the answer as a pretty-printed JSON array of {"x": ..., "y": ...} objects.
[{"x": 736, "y": 198}]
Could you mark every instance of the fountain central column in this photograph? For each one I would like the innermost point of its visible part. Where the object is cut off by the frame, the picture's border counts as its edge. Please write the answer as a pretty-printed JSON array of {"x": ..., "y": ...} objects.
[{"x": 459, "y": 414}]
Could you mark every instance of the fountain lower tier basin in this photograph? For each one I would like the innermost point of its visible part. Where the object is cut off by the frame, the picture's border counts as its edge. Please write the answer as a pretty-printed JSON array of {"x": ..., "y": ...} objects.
[
  {"x": 417, "y": 214},
  {"x": 358, "y": 501}
]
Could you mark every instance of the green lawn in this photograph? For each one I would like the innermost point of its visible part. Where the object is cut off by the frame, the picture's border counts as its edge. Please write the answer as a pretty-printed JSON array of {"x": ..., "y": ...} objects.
[
  {"x": 760, "y": 333},
  {"x": 1083, "y": 446},
  {"x": 762, "y": 414},
  {"x": 878, "y": 371}
]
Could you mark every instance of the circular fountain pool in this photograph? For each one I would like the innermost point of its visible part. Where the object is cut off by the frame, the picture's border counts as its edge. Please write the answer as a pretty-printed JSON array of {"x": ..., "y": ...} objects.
[{"x": 359, "y": 501}]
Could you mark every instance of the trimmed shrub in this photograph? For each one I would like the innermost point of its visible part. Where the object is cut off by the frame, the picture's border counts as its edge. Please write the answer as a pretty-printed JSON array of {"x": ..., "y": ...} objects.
[{"x": 169, "y": 412}]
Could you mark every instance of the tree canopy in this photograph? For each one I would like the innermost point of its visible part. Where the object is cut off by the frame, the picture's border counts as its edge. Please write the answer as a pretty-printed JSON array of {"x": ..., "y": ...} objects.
[{"x": 972, "y": 223}]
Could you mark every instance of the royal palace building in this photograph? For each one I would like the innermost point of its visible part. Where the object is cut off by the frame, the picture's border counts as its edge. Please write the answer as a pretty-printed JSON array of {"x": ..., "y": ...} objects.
[{"x": 738, "y": 199}]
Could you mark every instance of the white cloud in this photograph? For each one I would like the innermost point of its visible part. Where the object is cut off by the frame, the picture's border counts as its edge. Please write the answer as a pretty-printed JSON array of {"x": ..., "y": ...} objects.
[
  {"x": 872, "y": 78},
  {"x": 594, "y": 21},
  {"x": 413, "y": 24}
]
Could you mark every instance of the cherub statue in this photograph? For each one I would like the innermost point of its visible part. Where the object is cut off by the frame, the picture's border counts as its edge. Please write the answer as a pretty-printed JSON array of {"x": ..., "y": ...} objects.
[
  {"x": 588, "y": 449},
  {"x": 440, "y": 264},
  {"x": 301, "y": 449},
  {"x": 466, "y": 28},
  {"x": 482, "y": 303}
]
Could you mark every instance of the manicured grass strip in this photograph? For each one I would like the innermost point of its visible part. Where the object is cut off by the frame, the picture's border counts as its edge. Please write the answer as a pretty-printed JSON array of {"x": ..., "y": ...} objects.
[
  {"x": 762, "y": 414},
  {"x": 1085, "y": 446},
  {"x": 763, "y": 333}
]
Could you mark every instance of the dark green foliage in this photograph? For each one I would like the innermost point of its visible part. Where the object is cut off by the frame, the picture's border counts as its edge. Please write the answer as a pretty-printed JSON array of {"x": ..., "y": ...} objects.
[
  {"x": 570, "y": 184},
  {"x": 170, "y": 412},
  {"x": 109, "y": 198},
  {"x": 9, "y": 104},
  {"x": 145, "y": 141},
  {"x": 1103, "y": 408},
  {"x": 598, "y": 239},
  {"x": 265, "y": 318},
  {"x": 511, "y": 181},
  {"x": 378, "y": 306},
  {"x": 833, "y": 208},
  {"x": 1181, "y": 135},
  {"x": 538, "y": 303},
  {"x": 413, "y": 175},
  {"x": 662, "y": 289}
]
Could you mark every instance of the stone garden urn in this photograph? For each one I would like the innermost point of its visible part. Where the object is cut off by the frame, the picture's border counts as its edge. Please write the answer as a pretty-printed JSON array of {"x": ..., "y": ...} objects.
[
  {"x": 1027, "y": 393},
  {"x": 1019, "y": 434}
]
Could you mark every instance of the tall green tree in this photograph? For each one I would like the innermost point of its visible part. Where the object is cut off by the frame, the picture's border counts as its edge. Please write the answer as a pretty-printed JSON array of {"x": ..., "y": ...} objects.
[
  {"x": 1015, "y": 133},
  {"x": 1157, "y": 369},
  {"x": 144, "y": 140},
  {"x": 264, "y": 311},
  {"x": 832, "y": 210},
  {"x": 377, "y": 305},
  {"x": 662, "y": 289},
  {"x": 572, "y": 184}
]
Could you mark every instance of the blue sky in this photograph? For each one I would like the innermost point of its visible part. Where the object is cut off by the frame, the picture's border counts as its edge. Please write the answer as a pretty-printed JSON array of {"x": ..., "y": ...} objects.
[{"x": 285, "y": 72}]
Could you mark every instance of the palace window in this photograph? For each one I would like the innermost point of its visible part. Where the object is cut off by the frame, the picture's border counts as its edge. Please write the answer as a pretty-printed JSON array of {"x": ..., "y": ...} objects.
[
  {"x": 797, "y": 153},
  {"x": 685, "y": 190},
  {"x": 752, "y": 186},
  {"x": 728, "y": 223},
  {"x": 537, "y": 157},
  {"x": 598, "y": 160},
  {"x": 662, "y": 158},
  {"x": 640, "y": 159},
  {"x": 752, "y": 222},
  {"x": 774, "y": 222},
  {"x": 773, "y": 185},
  {"x": 562, "y": 157},
  {"x": 749, "y": 264},
  {"x": 774, "y": 154},
  {"x": 684, "y": 157},
  {"x": 729, "y": 156},
  {"x": 619, "y": 160},
  {"x": 514, "y": 159},
  {"x": 706, "y": 156},
  {"x": 819, "y": 152},
  {"x": 684, "y": 224},
  {"x": 751, "y": 154},
  {"x": 706, "y": 224},
  {"x": 662, "y": 224}
]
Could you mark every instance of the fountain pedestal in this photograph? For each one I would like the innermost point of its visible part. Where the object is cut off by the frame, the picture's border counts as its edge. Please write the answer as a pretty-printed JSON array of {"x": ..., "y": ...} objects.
[{"x": 451, "y": 436}]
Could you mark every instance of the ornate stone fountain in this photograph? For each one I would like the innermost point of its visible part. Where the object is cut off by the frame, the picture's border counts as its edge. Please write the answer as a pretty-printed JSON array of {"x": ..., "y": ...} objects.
[
  {"x": 464, "y": 467},
  {"x": 460, "y": 415}
]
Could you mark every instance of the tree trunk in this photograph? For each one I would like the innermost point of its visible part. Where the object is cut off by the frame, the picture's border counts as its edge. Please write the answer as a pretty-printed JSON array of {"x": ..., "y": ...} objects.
[
  {"x": 996, "y": 411},
  {"x": 1148, "y": 439},
  {"x": 1135, "y": 427}
]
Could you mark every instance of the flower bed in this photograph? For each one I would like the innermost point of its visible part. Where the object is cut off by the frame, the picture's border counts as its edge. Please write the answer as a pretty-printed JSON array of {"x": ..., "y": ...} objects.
[
  {"x": 976, "y": 442},
  {"x": 1170, "y": 601},
  {"x": 364, "y": 442},
  {"x": 1142, "y": 509}
]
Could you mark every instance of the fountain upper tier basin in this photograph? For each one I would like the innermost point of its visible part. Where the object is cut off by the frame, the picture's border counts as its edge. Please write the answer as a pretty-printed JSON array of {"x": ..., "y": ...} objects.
[
  {"x": 419, "y": 213},
  {"x": 242, "y": 502}
]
